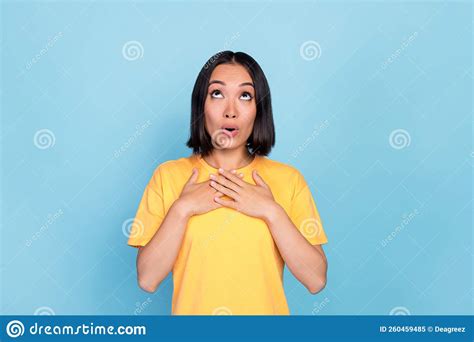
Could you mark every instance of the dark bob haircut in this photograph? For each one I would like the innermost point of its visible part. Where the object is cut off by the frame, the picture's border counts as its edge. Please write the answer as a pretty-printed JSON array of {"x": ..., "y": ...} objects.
[{"x": 262, "y": 138}]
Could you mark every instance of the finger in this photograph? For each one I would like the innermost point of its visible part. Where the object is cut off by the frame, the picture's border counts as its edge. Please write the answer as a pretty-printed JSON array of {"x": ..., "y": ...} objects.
[
  {"x": 224, "y": 190},
  {"x": 226, "y": 203},
  {"x": 215, "y": 195},
  {"x": 225, "y": 182},
  {"x": 194, "y": 176},
  {"x": 258, "y": 180},
  {"x": 232, "y": 177}
]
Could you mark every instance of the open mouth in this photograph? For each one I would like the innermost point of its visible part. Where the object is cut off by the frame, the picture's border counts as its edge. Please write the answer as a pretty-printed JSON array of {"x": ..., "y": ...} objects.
[{"x": 232, "y": 131}]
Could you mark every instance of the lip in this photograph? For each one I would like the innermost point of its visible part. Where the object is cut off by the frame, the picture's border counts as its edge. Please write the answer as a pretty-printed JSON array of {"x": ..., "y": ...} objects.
[
  {"x": 229, "y": 126},
  {"x": 229, "y": 133}
]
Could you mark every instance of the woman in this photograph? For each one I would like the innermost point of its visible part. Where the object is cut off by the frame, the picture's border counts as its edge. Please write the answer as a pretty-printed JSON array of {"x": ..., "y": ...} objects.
[{"x": 226, "y": 219}]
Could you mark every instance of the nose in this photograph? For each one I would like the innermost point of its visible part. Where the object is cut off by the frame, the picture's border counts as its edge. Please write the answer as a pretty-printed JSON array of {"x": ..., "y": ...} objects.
[{"x": 230, "y": 111}]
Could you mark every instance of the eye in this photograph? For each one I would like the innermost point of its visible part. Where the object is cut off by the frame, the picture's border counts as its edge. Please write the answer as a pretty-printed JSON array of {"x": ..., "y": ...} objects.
[
  {"x": 216, "y": 94},
  {"x": 246, "y": 96}
]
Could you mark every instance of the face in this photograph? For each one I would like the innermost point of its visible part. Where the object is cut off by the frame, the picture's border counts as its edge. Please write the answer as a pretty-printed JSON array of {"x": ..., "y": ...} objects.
[{"x": 230, "y": 106}]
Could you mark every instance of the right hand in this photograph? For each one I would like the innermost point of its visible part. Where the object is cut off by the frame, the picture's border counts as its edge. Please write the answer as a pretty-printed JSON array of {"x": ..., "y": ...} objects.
[{"x": 198, "y": 198}]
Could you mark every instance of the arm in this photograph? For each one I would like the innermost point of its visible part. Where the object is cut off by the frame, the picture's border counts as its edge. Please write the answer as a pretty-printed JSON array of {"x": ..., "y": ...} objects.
[
  {"x": 307, "y": 262},
  {"x": 155, "y": 260}
]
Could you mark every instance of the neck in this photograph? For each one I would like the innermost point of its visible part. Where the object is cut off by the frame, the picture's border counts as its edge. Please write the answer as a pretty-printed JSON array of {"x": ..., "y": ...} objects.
[{"x": 229, "y": 159}]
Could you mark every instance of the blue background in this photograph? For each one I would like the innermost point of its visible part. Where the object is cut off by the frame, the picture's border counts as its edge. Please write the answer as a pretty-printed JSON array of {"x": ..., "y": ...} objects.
[{"x": 379, "y": 67}]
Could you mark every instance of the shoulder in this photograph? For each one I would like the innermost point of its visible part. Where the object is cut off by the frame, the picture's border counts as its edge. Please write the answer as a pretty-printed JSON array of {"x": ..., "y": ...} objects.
[
  {"x": 282, "y": 171},
  {"x": 283, "y": 177},
  {"x": 184, "y": 163},
  {"x": 174, "y": 167}
]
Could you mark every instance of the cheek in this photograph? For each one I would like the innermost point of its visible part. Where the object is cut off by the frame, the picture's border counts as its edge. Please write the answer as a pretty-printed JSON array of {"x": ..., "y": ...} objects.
[
  {"x": 249, "y": 119},
  {"x": 212, "y": 113}
]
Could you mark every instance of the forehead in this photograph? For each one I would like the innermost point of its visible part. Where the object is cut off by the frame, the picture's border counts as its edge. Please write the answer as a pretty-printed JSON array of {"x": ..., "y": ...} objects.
[{"x": 231, "y": 73}]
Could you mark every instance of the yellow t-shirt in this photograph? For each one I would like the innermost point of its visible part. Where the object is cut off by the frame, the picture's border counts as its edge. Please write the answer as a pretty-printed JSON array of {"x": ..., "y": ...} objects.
[{"x": 228, "y": 262}]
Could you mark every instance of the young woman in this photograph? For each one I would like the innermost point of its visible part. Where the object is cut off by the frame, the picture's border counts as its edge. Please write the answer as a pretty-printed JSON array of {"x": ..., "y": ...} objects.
[{"x": 226, "y": 219}]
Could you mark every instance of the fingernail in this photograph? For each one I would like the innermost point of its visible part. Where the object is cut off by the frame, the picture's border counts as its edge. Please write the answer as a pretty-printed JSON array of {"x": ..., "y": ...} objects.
[
  {"x": 241, "y": 175},
  {"x": 213, "y": 183},
  {"x": 233, "y": 171},
  {"x": 221, "y": 170},
  {"x": 212, "y": 177}
]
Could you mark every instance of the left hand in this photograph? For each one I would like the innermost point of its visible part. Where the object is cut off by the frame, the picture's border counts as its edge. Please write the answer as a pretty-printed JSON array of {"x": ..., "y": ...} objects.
[{"x": 253, "y": 200}]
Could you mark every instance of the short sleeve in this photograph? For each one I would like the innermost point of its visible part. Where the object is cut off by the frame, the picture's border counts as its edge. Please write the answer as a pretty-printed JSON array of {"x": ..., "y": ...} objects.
[
  {"x": 150, "y": 213},
  {"x": 304, "y": 213}
]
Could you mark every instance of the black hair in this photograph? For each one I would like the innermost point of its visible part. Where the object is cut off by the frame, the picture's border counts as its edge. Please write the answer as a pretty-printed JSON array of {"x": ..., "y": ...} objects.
[{"x": 262, "y": 138}]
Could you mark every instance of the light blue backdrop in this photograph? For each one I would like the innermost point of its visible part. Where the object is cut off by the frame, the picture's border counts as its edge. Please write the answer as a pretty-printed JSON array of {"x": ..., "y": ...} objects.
[{"x": 372, "y": 103}]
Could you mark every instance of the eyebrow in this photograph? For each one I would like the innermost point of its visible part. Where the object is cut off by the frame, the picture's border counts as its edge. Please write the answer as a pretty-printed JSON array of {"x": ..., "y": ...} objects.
[{"x": 240, "y": 85}]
